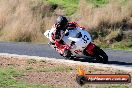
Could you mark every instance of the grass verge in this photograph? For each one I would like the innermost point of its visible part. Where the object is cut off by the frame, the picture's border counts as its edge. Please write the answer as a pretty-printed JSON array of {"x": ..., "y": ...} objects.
[
  {"x": 22, "y": 72},
  {"x": 8, "y": 77}
]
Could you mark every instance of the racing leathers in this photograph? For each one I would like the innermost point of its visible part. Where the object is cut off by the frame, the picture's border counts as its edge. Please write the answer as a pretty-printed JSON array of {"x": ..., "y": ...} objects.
[{"x": 57, "y": 37}]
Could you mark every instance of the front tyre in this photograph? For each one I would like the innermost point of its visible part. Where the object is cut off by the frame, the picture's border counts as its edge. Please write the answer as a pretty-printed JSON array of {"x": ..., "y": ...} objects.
[{"x": 101, "y": 56}]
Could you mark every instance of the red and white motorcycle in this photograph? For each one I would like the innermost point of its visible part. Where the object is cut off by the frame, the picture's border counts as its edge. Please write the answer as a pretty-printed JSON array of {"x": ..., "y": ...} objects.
[{"x": 80, "y": 44}]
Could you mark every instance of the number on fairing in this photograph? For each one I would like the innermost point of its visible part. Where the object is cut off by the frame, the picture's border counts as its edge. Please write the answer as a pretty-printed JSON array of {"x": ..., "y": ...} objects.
[{"x": 85, "y": 38}]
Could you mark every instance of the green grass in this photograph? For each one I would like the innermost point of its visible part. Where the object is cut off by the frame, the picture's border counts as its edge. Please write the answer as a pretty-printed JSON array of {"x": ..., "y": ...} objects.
[
  {"x": 122, "y": 46},
  {"x": 7, "y": 79},
  {"x": 70, "y": 6},
  {"x": 98, "y": 3},
  {"x": 117, "y": 46}
]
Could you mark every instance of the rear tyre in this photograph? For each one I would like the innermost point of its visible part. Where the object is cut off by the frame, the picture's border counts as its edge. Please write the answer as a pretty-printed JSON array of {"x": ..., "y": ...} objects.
[{"x": 101, "y": 56}]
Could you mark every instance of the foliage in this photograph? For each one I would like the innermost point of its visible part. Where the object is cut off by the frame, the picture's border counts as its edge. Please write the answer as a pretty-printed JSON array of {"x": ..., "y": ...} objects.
[{"x": 7, "y": 80}]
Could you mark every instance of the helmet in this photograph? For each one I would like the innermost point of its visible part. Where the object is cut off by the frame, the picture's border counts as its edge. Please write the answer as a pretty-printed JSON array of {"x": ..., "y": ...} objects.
[{"x": 61, "y": 21}]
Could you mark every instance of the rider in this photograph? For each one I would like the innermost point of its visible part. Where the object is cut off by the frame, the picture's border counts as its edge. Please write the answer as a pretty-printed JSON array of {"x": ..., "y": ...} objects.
[{"x": 62, "y": 25}]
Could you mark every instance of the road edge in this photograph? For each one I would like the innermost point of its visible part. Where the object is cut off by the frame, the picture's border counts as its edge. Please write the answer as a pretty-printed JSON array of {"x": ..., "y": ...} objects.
[{"x": 70, "y": 62}]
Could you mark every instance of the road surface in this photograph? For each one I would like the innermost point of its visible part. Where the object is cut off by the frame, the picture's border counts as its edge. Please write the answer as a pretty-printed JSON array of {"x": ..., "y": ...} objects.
[{"x": 116, "y": 57}]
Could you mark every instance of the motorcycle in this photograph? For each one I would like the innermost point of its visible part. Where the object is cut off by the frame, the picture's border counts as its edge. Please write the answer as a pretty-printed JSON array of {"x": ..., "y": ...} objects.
[{"x": 80, "y": 44}]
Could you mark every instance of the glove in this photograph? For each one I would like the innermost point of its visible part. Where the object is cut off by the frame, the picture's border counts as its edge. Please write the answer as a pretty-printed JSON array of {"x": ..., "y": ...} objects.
[{"x": 57, "y": 34}]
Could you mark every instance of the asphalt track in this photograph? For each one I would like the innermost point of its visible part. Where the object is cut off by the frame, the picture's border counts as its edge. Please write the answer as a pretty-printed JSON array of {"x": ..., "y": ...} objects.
[{"x": 116, "y": 57}]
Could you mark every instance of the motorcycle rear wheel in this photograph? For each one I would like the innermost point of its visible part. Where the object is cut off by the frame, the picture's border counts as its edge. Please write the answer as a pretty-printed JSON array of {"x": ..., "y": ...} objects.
[{"x": 101, "y": 56}]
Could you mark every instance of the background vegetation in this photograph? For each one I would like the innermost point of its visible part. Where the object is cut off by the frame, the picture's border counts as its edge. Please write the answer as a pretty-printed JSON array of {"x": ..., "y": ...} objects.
[{"x": 108, "y": 21}]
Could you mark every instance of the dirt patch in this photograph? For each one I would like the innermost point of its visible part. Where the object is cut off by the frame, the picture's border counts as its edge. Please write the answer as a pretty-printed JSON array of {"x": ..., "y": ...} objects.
[
  {"x": 56, "y": 79},
  {"x": 46, "y": 72}
]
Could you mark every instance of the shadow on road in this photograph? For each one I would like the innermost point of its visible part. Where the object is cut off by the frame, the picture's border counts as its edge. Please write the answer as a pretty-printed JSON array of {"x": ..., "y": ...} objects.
[
  {"x": 90, "y": 60},
  {"x": 119, "y": 63}
]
